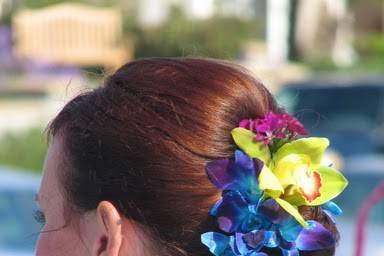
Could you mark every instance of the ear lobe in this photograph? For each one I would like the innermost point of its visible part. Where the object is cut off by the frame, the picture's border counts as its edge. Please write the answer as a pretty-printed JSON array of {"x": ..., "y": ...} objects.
[{"x": 109, "y": 221}]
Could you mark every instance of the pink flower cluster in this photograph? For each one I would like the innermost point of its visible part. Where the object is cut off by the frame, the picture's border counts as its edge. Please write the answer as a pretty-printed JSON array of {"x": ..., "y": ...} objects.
[{"x": 274, "y": 126}]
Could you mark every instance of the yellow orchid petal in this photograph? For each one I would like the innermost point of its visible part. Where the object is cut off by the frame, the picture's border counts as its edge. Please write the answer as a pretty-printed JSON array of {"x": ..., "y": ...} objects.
[
  {"x": 289, "y": 167},
  {"x": 314, "y": 147},
  {"x": 245, "y": 140},
  {"x": 333, "y": 183},
  {"x": 292, "y": 210},
  {"x": 293, "y": 195},
  {"x": 269, "y": 183}
]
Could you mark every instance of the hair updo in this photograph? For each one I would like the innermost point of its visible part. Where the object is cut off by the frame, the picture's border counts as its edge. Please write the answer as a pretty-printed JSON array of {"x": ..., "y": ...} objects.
[{"x": 141, "y": 141}]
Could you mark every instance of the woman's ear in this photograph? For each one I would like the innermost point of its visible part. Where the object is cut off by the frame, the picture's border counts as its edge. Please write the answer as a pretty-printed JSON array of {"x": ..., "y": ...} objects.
[{"x": 110, "y": 225}]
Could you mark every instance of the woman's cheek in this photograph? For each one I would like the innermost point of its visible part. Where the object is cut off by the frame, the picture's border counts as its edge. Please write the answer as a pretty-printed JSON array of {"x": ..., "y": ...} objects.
[
  {"x": 51, "y": 242},
  {"x": 60, "y": 242},
  {"x": 43, "y": 245}
]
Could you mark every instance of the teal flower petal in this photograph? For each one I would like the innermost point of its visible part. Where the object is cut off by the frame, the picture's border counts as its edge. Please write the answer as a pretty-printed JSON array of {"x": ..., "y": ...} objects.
[
  {"x": 290, "y": 229},
  {"x": 217, "y": 243},
  {"x": 293, "y": 252},
  {"x": 333, "y": 208},
  {"x": 271, "y": 240}
]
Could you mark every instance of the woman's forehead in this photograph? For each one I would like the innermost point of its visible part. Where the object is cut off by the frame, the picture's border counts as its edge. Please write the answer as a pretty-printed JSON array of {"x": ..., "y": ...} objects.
[{"x": 50, "y": 185}]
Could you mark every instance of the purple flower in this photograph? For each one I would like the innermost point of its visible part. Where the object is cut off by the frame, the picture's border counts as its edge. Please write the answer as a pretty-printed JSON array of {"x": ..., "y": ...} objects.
[
  {"x": 274, "y": 126},
  {"x": 293, "y": 125}
]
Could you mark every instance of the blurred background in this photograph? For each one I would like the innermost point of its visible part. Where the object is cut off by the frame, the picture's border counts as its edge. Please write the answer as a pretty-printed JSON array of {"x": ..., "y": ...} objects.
[{"x": 323, "y": 59}]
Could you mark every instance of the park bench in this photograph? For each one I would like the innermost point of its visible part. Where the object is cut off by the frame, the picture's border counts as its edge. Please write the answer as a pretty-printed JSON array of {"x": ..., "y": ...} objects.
[{"x": 71, "y": 34}]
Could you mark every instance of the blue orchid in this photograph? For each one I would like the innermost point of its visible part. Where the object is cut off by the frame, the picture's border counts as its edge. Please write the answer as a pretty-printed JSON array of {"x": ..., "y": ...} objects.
[
  {"x": 241, "y": 194},
  {"x": 252, "y": 221},
  {"x": 289, "y": 236},
  {"x": 239, "y": 175}
]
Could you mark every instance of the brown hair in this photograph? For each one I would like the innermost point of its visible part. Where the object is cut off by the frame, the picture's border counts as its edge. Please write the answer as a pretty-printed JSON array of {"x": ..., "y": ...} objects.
[{"x": 141, "y": 141}]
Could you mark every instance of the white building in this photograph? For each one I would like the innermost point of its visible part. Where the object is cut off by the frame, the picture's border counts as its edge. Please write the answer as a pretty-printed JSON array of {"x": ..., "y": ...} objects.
[{"x": 154, "y": 12}]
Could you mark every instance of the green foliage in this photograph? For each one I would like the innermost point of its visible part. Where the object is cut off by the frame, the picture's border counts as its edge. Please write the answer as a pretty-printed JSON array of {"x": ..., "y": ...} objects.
[
  {"x": 218, "y": 37},
  {"x": 44, "y": 3},
  {"x": 25, "y": 150},
  {"x": 320, "y": 65},
  {"x": 370, "y": 49},
  {"x": 371, "y": 45}
]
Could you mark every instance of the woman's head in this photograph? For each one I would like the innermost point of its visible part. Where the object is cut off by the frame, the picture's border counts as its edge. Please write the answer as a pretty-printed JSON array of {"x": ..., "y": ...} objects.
[{"x": 129, "y": 157}]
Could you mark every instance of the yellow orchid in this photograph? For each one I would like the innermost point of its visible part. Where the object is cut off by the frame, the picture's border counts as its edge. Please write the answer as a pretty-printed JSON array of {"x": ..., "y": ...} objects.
[{"x": 293, "y": 174}]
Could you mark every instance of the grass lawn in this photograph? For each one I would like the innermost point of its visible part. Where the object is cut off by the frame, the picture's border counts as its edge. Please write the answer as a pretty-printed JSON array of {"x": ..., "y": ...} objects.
[{"x": 24, "y": 150}]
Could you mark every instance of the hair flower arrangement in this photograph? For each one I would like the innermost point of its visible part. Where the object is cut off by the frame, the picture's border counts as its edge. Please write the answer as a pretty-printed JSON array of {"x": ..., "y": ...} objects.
[{"x": 272, "y": 174}]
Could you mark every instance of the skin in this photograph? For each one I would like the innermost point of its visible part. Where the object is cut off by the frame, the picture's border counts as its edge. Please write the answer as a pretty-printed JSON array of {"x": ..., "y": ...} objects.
[{"x": 101, "y": 232}]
